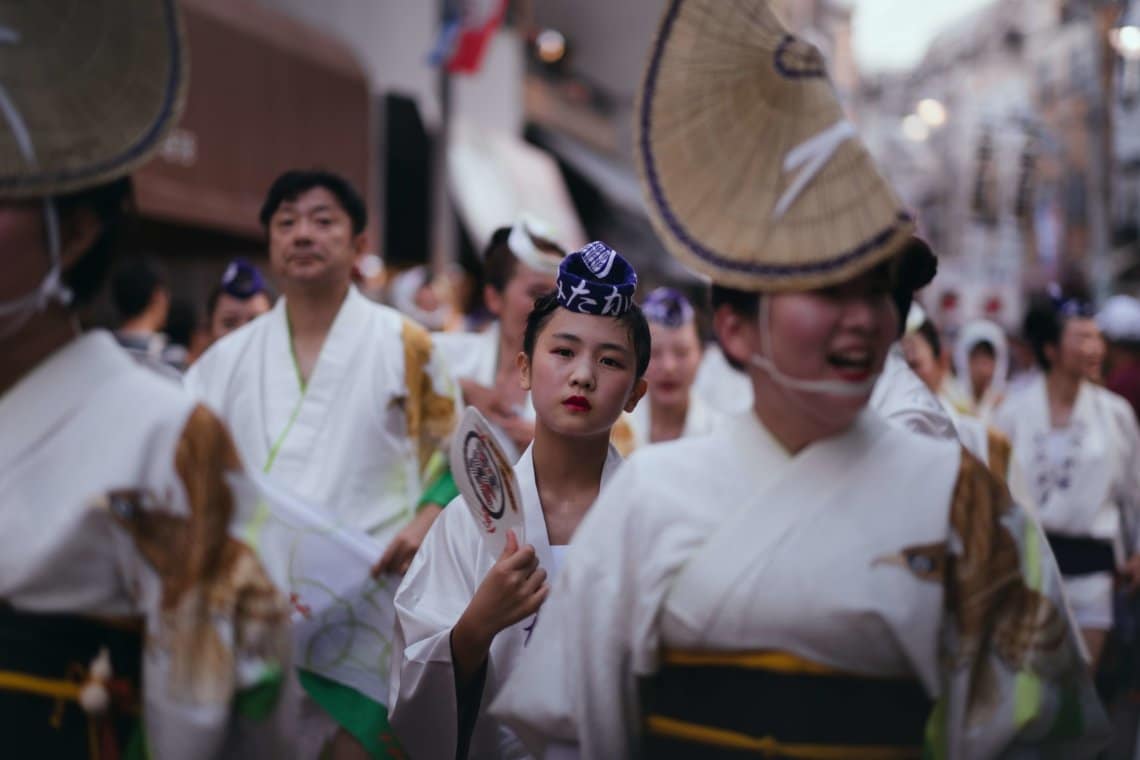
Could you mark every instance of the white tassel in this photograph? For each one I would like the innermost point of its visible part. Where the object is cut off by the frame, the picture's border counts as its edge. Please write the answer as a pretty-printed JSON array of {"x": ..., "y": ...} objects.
[{"x": 93, "y": 695}]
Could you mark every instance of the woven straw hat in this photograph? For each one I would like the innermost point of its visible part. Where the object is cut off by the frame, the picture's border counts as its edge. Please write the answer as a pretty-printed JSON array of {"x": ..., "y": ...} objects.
[
  {"x": 752, "y": 174},
  {"x": 88, "y": 89}
]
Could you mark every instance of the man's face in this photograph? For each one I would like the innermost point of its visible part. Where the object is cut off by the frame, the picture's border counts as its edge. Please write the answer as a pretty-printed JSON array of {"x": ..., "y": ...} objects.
[
  {"x": 311, "y": 242},
  {"x": 231, "y": 313}
]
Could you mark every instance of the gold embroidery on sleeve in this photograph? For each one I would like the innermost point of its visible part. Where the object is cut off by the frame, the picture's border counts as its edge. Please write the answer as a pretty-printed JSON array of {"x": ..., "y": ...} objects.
[{"x": 430, "y": 414}]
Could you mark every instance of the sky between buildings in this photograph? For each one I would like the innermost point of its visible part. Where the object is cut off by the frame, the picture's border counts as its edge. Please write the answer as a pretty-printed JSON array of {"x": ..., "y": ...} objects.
[{"x": 893, "y": 34}]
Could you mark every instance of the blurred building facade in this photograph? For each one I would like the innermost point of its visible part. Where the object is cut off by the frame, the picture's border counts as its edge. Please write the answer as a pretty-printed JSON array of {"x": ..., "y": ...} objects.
[{"x": 1011, "y": 162}]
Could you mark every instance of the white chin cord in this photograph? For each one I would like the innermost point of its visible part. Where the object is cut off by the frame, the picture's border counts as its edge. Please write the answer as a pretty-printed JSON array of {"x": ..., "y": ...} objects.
[
  {"x": 15, "y": 313},
  {"x": 828, "y": 387}
]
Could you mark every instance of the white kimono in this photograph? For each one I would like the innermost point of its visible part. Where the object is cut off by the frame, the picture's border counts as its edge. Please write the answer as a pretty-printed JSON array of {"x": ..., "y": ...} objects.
[
  {"x": 725, "y": 389},
  {"x": 116, "y": 502},
  {"x": 992, "y": 447},
  {"x": 701, "y": 419},
  {"x": 903, "y": 399},
  {"x": 475, "y": 356},
  {"x": 840, "y": 555},
  {"x": 434, "y": 593},
  {"x": 357, "y": 440},
  {"x": 1085, "y": 478}
]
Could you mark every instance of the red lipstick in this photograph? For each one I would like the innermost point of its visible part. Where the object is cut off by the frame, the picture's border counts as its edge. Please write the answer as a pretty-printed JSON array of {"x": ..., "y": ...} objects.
[{"x": 577, "y": 404}]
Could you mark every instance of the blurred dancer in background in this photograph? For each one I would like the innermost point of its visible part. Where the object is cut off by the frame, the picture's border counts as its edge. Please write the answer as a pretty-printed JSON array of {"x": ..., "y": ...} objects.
[{"x": 132, "y": 620}]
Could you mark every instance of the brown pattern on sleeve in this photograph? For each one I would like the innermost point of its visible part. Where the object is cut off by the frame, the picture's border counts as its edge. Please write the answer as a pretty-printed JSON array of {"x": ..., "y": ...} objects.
[
  {"x": 622, "y": 438},
  {"x": 431, "y": 415},
  {"x": 1000, "y": 450},
  {"x": 1000, "y": 622},
  {"x": 215, "y": 594}
]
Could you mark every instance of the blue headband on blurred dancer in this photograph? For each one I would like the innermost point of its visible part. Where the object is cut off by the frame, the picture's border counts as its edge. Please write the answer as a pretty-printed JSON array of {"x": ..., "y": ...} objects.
[
  {"x": 242, "y": 280},
  {"x": 668, "y": 307},
  {"x": 1067, "y": 308},
  {"x": 596, "y": 280}
]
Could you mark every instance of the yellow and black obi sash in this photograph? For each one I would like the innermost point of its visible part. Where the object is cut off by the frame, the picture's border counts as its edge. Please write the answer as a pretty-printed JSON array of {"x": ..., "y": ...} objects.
[
  {"x": 44, "y": 665},
  {"x": 715, "y": 705}
]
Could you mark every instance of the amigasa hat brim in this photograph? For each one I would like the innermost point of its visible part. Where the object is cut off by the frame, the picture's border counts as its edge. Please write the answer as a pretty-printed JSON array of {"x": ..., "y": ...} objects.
[
  {"x": 88, "y": 90},
  {"x": 752, "y": 174}
]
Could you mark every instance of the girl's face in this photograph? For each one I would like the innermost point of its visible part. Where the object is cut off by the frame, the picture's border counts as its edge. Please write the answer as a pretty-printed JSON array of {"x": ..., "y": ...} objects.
[
  {"x": 673, "y": 363},
  {"x": 838, "y": 334},
  {"x": 582, "y": 375},
  {"x": 920, "y": 356},
  {"x": 1080, "y": 352}
]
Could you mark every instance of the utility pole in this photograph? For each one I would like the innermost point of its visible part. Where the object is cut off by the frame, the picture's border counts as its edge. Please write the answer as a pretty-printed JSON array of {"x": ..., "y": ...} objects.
[{"x": 442, "y": 218}]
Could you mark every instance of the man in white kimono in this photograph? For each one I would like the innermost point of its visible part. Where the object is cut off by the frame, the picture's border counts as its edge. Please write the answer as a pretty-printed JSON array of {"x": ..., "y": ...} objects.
[
  {"x": 339, "y": 399},
  {"x": 132, "y": 618},
  {"x": 519, "y": 265}
]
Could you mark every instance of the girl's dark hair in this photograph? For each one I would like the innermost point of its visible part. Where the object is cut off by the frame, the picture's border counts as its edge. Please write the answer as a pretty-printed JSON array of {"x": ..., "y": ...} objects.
[
  {"x": 500, "y": 264},
  {"x": 111, "y": 203},
  {"x": 633, "y": 320}
]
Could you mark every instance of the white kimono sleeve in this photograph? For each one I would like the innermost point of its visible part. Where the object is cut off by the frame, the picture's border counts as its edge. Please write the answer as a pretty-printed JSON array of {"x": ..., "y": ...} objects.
[
  {"x": 216, "y": 641},
  {"x": 424, "y": 708},
  {"x": 1014, "y": 683},
  {"x": 576, "y": 682},
  {"x": 1127, "y": 490}
]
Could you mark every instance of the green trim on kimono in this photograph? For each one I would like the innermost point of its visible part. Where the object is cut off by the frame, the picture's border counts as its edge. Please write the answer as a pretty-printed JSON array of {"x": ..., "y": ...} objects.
[
  {"x": 364, "y": 718},
  {"x": 441, "y": 488}
]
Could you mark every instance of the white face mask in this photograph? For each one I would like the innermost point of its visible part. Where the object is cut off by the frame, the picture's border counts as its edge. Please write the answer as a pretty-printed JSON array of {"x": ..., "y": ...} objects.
[
  {"x": 828, "y": 387},
  {"x": 15, "y": 313}
]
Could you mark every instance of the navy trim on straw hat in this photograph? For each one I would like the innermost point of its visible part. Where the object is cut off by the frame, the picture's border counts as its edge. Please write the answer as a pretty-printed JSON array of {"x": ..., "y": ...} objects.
[
  {"x": 242, "y": 280},
  {"x": 668, "y": 307},
  {"x": 596, "y": 280}
]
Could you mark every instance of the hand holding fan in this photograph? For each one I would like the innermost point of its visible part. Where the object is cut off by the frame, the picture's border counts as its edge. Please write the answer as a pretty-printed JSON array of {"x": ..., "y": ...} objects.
[{"x": 486, "y": 480}]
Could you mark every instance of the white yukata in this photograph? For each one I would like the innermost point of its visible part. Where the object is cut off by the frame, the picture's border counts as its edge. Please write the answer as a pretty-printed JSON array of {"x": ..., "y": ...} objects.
[
  {"x": 116, "y": 504},
  {"x": 700, "y": 419},
  {"x": 475, "y": 356},
  {"x": 839, "y": 556},
  {"x": 357, "y": 439},
  {"x": 1085, "y": 479},
  {"x": 725, "y": 389},
  {"x": 433, "y": 595},
  {"x": 903, "y": 399}
]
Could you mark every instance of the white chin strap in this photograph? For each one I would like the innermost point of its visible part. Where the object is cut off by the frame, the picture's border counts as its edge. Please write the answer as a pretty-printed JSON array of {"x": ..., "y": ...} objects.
[
  {"x": 828, "y": 387},
  {"x": 15, "y": 313}
]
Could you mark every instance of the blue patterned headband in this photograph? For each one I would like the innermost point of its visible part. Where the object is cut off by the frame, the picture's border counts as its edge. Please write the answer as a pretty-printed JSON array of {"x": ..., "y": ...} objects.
[
  {"x": 668, "y": 307},
  {"x": 596, "y": 280},
  {"x": 242, "y": 280},
  {"x": 1068, "y": 308}
]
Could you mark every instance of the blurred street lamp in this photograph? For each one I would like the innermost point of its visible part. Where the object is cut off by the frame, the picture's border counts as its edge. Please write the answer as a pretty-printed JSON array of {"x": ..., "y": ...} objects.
[
  {"x": 914, "y": 128},
  {"x": 1125, "y": 38},
  {"x": 932, "y": 112},
  {"x": 551, "y": 45}
]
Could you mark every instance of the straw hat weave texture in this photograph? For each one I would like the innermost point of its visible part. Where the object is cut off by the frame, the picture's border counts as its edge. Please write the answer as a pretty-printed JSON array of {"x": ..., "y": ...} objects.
[
  {"x": 88, "y": 89},
  {"x": 753, "y": 176}
]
